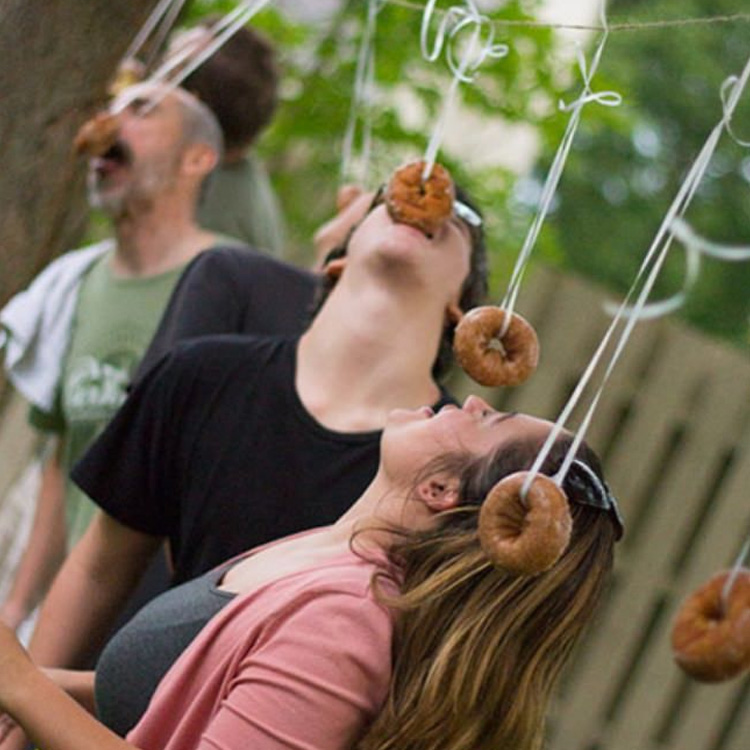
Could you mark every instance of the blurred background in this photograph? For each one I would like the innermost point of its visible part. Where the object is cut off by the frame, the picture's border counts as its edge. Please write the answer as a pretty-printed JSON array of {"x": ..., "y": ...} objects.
[{"x": 674, "y": 426}]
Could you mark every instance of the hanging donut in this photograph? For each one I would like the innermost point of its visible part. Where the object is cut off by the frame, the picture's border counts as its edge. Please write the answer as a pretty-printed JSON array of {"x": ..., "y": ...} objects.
[
  {"x": 423, "y": 204},
  {"x": 97, "y": 135},
  {"x": 711, "y": 635},
  {"x": 525, "y": 535},
  {"x": 129, "y": 72},
  {"x": 493, "y": 359}
]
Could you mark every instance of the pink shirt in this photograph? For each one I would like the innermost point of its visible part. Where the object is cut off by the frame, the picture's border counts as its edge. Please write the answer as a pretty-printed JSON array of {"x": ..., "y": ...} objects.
[{"x": 303, "y": 662}]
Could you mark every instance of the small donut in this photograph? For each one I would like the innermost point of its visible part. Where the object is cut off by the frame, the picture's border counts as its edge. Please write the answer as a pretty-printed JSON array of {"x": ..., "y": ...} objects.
[
  {"x": 129, "y": 72},
  {"x": 525, "y": 535},
  {"x": 97, "y": 135},
  {"x": 423, "y": 204},
  {"x": 487, "y": 357},
  {"x": 710, "y": 637}
]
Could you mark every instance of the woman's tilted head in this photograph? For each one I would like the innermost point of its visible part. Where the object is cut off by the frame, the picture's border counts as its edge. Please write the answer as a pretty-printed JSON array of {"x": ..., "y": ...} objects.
[
  {"x": 457, "y": 263},
  {"x": 478, "y": 649}
]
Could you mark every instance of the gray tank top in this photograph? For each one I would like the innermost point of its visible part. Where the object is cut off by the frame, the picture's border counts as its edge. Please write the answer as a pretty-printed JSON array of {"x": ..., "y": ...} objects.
[{"x": 142, "y": 651}]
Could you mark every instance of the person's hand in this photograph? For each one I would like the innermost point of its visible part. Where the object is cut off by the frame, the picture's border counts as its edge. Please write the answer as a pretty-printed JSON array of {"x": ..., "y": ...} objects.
[
  {"x": 12, "y": 737},
  {"x": 11, "y": 615},
  {"x": 7, "y": 725},
  {"x": 352, "y": 204},
  {"x": 15, "y": 663}
]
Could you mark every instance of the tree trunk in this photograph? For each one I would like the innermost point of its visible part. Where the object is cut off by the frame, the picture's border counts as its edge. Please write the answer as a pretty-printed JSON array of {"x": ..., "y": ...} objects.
[{"x": 58, "y": 56}]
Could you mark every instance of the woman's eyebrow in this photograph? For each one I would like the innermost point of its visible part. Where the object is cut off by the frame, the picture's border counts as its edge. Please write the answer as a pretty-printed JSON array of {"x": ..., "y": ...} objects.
[{"x": 502, "y": 417}]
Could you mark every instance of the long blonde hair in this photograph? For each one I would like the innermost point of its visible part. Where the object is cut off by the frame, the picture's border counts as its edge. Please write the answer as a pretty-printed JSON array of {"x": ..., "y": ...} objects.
[{"x": 477, "y": 651}]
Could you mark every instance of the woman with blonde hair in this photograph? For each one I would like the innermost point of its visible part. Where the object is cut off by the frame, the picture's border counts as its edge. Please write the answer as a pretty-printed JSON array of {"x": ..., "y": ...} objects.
[{"x": 389, "y": 629}]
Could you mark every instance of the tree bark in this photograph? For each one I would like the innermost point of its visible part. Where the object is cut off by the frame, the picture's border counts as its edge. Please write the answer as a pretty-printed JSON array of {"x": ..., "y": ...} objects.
[{"x": 58, "y": 56}]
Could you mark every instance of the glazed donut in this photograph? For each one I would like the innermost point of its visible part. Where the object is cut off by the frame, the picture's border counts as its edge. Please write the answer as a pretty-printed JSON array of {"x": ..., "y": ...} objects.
[
  {"x": 710, "y": 638},
  {"x": 490, "y": 359},
  {"x": 97, "y": 135},
  {"x": 525, "y": 536},
  {"x": 423, "y": 204}
]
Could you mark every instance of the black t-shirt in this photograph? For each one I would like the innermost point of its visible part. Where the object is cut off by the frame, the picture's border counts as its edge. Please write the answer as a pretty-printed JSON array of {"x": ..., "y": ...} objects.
[
  {"x": 233, "y": 290},
  {"x": 214, "y": 450}
]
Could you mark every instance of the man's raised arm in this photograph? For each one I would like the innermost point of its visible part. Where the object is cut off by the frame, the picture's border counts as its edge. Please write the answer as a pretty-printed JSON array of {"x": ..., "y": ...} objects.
[{"x": 89, "y": 592}]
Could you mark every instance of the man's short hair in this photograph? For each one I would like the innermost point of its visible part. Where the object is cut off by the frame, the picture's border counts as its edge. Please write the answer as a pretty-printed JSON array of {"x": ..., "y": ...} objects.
[
  {"x": 239, "y": 84},
  {"x": 199, "y": 124}
]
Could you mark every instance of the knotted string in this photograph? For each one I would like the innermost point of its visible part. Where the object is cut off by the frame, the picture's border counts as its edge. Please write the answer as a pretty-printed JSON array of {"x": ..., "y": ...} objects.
[
  {"x": 650, "y": 268},
  {"x": 481, "y": 45},
  {"x": 605, "y": 98}
]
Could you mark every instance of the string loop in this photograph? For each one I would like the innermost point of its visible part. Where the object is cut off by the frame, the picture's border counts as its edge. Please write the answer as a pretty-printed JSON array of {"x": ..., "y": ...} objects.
[{"x": 463, "y": 57}]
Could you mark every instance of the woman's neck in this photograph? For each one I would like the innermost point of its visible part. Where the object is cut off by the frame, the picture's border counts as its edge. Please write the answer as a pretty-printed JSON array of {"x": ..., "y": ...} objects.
[{"x": 367, "y": 352}]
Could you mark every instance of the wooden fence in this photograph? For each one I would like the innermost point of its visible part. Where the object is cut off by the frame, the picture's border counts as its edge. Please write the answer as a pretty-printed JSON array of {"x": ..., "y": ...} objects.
[
  {"x": 673, "y": 428},
  {"x": 674, "y": 431}
]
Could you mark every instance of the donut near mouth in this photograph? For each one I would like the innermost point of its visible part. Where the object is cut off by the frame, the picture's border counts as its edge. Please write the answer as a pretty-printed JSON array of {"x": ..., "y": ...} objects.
[
  {"x": 97, "y": 135},
  {"x": 491, "y": 357},
  {"x": 423, "y": 204},
  {"x": 525, "y": 535},
  {"x": 711, "y": 636}
]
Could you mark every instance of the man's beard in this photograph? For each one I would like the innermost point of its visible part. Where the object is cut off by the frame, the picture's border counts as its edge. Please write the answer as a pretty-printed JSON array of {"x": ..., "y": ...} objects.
[{"x": 137, "y": 195}]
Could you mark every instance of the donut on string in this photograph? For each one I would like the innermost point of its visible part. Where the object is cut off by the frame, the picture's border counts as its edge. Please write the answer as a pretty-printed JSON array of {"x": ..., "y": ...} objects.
[
  {"x": 525, "y": 533},
  {"x": 129, "y": 72},
  {"x": 711, "y": 633},
  {"x": 97, "y": 135},
  {"x": 492, "y": 352},
  {"x": 423, "y": 203}
]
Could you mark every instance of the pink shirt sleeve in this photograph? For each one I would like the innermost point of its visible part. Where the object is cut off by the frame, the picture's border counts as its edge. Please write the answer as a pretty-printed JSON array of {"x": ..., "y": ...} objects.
[{"x": 314, "y": 681}]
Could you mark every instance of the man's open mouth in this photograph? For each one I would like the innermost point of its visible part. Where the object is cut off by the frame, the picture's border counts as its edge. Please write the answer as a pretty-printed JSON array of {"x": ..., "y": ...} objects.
[{"x": 116, "y": 156}]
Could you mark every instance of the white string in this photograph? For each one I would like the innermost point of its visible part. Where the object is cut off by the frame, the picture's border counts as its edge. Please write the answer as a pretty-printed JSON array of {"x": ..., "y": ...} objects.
[
  {"x": 654, "y": 260},
  {"x": 480, "y": 46},
  {"x": 695, "y": 247},
  {"x": 172, "y": 73},
  {"x": 739, "y": 562},
  {"x": 148, "y": 27},
  {"x": 605, "y": 98},
  {"x": 166, "y": 26},
  {"x": 361, "y": 105},
  {"x": 223, "y": 30}
]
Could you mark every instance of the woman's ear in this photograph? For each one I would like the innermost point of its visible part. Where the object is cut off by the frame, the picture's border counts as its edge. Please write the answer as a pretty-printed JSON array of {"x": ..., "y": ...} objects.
[
  {"x": 334, "y": 268},
  {"x": 438, "y": 493}
]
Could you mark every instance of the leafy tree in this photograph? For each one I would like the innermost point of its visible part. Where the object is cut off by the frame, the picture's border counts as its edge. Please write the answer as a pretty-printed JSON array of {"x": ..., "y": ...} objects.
[
  {"x": 627, "y": 164},
  {"x": 304, "y": 145}
]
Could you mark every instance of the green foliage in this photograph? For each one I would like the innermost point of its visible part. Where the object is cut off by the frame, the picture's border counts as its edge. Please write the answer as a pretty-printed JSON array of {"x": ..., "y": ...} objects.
[
  {"x": 628, "y": 163},
  {"x": 303, "y": 147}
]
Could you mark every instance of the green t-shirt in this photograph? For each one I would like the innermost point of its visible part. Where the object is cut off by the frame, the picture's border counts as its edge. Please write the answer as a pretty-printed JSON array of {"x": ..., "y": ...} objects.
[
  {"x": 239, "y": 202},
  {"x": 114, "y": 321}
]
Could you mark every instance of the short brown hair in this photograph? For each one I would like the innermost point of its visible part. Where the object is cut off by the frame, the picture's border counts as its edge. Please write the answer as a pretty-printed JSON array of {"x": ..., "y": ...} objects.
[{"x": 239, "y": 83}]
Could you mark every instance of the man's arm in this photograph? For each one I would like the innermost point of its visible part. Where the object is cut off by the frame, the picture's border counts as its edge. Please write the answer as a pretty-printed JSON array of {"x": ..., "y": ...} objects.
[
  {"x": 45, "y": 547},
  {"x": 93, "y": 585}
]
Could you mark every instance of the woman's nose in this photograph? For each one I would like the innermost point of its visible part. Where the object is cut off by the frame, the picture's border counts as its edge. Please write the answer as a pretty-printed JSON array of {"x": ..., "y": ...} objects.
[{"x": 474, "y": 404}]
